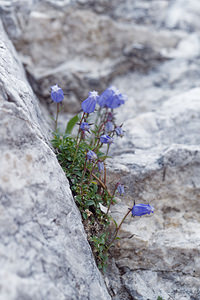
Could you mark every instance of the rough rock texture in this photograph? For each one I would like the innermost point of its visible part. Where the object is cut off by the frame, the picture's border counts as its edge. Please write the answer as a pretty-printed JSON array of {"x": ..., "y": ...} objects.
[
  {"x": 161, "y": 166},
  {"x": 158, "y": 160},
  {"x": 150, "y": 51},
  {"x": 44, "y": 253},
  {"x": 81, "y": 45}
]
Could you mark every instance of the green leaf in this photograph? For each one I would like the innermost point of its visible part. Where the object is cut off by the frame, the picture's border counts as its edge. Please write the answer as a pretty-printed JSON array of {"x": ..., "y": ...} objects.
[
  {"x": 72, "y": 122},
  {"x": 90, "y": 202},
  {"x": 115, "y": 223}
]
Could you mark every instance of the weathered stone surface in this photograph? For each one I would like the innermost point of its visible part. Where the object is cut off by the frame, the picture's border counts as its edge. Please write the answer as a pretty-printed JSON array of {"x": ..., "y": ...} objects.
[
  {"x": 82, "y": 45},
  {"x": 159, "y": 162},
  {"x": 44, "y": 253},
  {"x": 150, "y": 51}
]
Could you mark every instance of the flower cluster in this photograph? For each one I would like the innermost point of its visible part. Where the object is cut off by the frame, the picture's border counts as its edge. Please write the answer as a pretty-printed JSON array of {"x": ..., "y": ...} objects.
[
  {"x": 84, "y": 160},
  {"x": 110, "y": 98}
]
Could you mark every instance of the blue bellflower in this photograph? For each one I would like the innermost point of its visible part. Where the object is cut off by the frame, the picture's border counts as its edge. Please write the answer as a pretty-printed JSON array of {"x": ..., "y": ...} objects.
[
  {"x": 100, "y": 166},
  {"x": 120, "y": 189},
  {"x": 105, "y": 139},
  {"x": 91, "y": 155},
  {"x": 111, "y": 98},
  {"x": 85, "y": 126},
  {"x": 119, "y": 131},
  {"x": 89, "y": 104},
  {"x": 103, "y": 98},
  {"x": 109, "y": 127},
  {"x": 142, "y": 209},
  {"x": 117, "y": 99},
  {"x": 57, "y": 94}
]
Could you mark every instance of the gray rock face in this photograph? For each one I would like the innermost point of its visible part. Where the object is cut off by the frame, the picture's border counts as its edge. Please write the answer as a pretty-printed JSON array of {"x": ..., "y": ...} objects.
[
  {"x": 82, "y": 45},
  {"x": 150, "y": 51},
  {"x": 161, "y": 167},
  {"x": 158, "y": 160},
  {"x": 44, "y": 253}
]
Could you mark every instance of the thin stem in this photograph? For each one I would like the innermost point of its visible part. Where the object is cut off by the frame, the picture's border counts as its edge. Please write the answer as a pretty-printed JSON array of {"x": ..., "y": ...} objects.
[
  {"x": 104, "y": 173},
  {"x": 84, "y": 171},
  {"x": 92, "y": 170},
  {"x": 102, "y": 184},
  {"x": 78, "y": 142},
  {"x": 108, "y": 147},
  {"x": 113, "y": 194},
  {"x": 57, "y": 112},
  {"x": 117, "y": 230}
]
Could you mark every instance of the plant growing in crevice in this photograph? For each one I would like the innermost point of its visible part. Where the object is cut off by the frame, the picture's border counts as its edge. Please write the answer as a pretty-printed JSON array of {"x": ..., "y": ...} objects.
[{"x": 83, "y": 159}]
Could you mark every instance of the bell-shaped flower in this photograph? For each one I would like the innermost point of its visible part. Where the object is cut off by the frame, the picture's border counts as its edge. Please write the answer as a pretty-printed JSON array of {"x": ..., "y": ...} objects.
[
  {"x": 105, "y": 96},
  {"x": 91, "y": 155},
  {"x": 119, "y": 131},
  {"x": 116, "y": 100},
  {"x": 109, "y": 127},
  {"x": 85, "y": 126},
  {"x": 142, "y": 209},
  {"x": 89, "y": 104},
  {"x": 120, "y": 189},
  {"x": 106, "y": 139},
  {"x": 100, "y": 166},
  {"x": 57, "y": 94},
  {"x": 111, "y": 98}
]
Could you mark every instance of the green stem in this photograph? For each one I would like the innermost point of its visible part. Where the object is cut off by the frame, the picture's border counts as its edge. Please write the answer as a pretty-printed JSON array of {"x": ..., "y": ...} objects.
[
  {"x": 57, "y": 112},
  {"x": 78, "y": 142},
  {"x": 111, "y": 199},
  {"x": 108, "y": 147},
  {"x": 102, "y": 184},
  {"x": 117, "y": 230}
]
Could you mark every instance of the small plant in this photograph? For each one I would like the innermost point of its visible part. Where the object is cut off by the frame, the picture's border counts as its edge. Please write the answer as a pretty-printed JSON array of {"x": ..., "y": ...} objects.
[{"x": 83, "y": 158}]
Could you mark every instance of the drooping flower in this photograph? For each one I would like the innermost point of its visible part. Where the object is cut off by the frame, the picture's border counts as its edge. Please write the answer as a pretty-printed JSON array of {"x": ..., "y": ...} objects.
[
  {"x": 142, "y": 209},
  {"x": 103, "y": 98},
  {"x": 111, "y": 98},
  {"x": 120, "y": 189},
  {"x": 89, "y": 104},
  {"x": 106, "y": 139},
  {"x": 119, "y": 131},
  {"x": 91, "y": 155},
  {"x": 116, "y": 100},
  {"x": 100, "y": 166},
  {"x": 109, "y": 126},
  {"x": 85, "y": 126},
  {"x": 57, "y": 94}
]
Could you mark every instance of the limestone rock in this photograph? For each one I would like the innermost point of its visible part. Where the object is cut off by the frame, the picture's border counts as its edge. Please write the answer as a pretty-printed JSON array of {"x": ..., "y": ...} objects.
[
  {"x": 44, "y": 253},
  {"x": 159, "y": 163},
  {"x": 81, "y": 45}
]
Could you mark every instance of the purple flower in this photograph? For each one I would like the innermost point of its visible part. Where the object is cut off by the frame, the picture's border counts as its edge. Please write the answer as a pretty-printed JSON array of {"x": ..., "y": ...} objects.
[
  {"x": 85, "y": 126},
  {"x": 100, "y": 166},
  {"x": 119, "y": 131},
  {"x": 142, "y": 209},
  {"x": 89, "y": 104},
  {"x": 57, "y": 94},
  {"x": 105, "y": 139},
  {"x": 109, "y": 126},
  {"x": 116, "y": 100},
  {"x": 120, "y": 189},
  {"x": 111, "y": 98},
  {"x": 91, "y": 155},
  {"x": 103, "y": 98}
]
